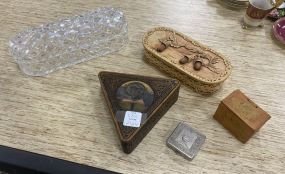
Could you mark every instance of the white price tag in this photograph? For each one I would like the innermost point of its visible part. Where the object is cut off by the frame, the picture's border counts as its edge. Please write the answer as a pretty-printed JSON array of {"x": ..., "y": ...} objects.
[{"x": 132, "y": 119}]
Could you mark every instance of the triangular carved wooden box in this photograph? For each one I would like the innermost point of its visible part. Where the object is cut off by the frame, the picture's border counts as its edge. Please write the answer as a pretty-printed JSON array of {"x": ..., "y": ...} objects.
[{"x": 149, "y": 96}]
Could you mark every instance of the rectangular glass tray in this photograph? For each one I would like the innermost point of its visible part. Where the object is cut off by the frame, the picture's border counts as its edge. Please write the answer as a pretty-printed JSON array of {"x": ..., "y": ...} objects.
[{"x": 44, "y": 49}]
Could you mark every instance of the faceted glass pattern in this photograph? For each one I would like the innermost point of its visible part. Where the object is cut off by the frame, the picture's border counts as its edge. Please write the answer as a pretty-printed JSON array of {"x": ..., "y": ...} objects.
[{"x": 42, "y": 50}]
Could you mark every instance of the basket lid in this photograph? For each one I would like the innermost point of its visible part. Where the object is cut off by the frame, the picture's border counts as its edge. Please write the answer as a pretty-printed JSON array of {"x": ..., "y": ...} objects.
[{"x": 186, "y": 55}]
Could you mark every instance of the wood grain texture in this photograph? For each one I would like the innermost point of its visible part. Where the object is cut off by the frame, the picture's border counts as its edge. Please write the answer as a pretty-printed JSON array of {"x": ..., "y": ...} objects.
[{"x": 64, "y": 114}]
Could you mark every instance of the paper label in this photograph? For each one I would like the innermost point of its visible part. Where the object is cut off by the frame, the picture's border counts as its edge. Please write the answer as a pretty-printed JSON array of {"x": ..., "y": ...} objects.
[{"x": 132, "y": 119}]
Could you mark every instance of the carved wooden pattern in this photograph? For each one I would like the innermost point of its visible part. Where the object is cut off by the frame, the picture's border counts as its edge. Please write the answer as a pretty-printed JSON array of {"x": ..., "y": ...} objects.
[{"x": 163, "y": 92}]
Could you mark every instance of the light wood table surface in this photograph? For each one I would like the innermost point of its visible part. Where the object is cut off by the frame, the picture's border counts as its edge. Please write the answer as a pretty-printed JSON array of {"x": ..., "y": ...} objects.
[{"x": 64, "y": 115}]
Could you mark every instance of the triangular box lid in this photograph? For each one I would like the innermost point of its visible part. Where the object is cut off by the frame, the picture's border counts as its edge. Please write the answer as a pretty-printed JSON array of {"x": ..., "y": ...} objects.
[{"x": 158, "y": 91}]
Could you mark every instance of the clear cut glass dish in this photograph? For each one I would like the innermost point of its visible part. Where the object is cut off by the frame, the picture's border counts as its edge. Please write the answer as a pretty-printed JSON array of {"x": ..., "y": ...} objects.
[{"x": 49, "y": 47}]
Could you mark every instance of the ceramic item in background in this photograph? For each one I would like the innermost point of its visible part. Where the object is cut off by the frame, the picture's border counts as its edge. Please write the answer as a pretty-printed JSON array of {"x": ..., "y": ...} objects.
[
  {"x": 42, "y": 50},
  {"x": 257, "y": 10},
  {"x": 195, "y": 65},
  {"x": 241, "y": 116},
  {"x": 186, "y": 140},
  {"x": 277, "y": 13},
  {"x": 137, "y": 103},
  {"x": 279, "y": 30}
]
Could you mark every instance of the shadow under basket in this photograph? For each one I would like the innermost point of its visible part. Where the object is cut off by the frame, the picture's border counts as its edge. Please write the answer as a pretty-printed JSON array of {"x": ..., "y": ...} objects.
[{"x": 183, "y": 58}]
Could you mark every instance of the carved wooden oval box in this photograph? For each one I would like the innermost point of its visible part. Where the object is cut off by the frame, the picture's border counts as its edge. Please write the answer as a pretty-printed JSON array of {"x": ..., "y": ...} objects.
[{"x": 194, "y": 64}]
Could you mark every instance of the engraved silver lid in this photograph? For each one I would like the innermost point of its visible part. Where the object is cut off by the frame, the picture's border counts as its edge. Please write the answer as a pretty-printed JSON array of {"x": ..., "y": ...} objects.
[{"x": 186, "y": 140}]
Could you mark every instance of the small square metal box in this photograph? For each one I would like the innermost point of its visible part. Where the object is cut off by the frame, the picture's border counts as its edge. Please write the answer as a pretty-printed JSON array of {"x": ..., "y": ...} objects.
[{"x": 186, "y": 140}]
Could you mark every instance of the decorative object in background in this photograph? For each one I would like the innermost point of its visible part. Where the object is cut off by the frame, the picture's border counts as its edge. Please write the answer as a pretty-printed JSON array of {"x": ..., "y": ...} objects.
[
  {"x": 277, "y": 13},
  {"x": 186, "y": 140},
  {"x": 39, "y": 51},
  {"x": 257, "y": 10},
  {"x": 137, "y": 103},
  {"x": 194, "y": 64},
  {"x": 235, "y": 4},
  {"x": 241, "y": 116},
  {"x": 279, "y": 30}
]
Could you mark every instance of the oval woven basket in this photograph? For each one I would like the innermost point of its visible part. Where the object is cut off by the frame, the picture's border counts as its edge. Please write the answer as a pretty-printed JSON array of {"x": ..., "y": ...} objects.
[{"x": 194, "y": 64}]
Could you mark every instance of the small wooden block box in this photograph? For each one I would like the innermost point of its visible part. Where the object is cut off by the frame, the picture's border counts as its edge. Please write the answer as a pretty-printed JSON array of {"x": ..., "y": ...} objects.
[{"x": 241, "y": 116}]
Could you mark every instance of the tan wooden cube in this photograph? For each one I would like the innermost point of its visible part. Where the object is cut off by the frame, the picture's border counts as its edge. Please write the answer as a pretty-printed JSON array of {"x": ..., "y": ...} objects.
[{"x": 241, "y": 116}]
